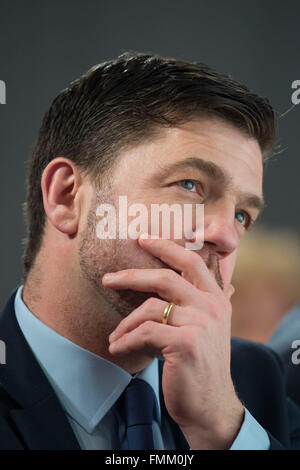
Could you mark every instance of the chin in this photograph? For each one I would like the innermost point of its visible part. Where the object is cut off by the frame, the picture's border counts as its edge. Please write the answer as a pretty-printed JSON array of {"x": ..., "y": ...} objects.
[{"x": 128, "y": 300}]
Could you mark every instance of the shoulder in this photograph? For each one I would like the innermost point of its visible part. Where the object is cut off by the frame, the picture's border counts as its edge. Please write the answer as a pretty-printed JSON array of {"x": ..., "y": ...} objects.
[
  {"x": 258, "y": 375},
  {"x": 287, "y": 331},
  {"x": 249, "y": 352},
  {"x": 251, "y": 358}
]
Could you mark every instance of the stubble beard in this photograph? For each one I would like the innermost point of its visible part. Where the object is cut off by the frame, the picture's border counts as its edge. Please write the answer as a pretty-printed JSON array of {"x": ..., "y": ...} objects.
[{"x": 98, "y": 257}]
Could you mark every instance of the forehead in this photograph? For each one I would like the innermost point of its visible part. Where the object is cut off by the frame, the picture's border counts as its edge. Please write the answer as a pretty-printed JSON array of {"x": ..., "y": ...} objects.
[{"x": 210, "y": 139}]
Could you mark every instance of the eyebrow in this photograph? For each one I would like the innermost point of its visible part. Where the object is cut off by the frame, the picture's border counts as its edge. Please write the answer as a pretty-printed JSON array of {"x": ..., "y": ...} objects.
[{"x": 214, "y": 172}]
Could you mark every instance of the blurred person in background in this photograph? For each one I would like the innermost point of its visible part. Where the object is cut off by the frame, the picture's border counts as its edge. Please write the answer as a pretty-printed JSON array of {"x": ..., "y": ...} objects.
[
  {"x": 286, "y": 339},
  {"x": 266, "y": 305},
  {"x": 266, "y": 281},
  {"x": 286, "y": 342}
]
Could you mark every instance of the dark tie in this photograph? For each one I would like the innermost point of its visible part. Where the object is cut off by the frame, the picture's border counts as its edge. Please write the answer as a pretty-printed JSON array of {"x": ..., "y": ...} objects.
[{"x": 136, "y": 407}]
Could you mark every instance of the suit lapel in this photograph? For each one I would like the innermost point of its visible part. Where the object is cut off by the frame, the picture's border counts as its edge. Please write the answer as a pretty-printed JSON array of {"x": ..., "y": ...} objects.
[
  {"x": 36, "y": 410},
  {"x": 44, "y": 426}
]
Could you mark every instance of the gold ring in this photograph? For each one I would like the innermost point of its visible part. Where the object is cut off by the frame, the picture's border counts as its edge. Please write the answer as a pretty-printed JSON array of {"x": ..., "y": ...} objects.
[{"x": 166, "y": 313}]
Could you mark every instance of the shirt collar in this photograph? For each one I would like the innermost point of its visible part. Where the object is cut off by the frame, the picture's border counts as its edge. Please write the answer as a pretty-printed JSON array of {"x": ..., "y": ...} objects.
[{"x": 86, "y": 384}]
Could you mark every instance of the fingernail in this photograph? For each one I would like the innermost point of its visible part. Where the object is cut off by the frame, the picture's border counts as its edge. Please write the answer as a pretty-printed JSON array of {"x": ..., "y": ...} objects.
[{"x": 110, "y": 276}]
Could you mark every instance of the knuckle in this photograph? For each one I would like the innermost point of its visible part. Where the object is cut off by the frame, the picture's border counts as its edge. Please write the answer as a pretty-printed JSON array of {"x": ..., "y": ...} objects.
[
  {"x": 218, "y": 307},
  {"x": 151, "y": 303},
  {"x": 146, "y": 329},
  {"x": 190, "y": 341},
  {"x": 168, "y": 275},
  {"x": 214, "y": 310},
  {"x": 212, "y": 307},
  {"x": 131, "y": 274}
]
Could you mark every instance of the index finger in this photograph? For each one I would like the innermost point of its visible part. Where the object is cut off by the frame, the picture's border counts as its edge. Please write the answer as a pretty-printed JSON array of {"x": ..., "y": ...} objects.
[{"x": 190, "y": 264}]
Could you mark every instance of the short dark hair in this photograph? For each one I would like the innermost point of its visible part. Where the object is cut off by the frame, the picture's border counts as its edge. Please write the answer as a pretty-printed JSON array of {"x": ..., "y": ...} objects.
[{"x": 120, "y": 103}]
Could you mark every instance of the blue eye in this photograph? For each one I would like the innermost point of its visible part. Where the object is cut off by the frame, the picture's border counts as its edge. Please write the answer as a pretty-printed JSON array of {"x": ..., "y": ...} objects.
[
  {"x": 241, "y": 217},
  {"x": 188, "y": 184}
]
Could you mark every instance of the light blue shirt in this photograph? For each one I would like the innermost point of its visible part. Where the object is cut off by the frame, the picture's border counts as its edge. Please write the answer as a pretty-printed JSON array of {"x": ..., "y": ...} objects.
[{"x": 88, "y": 386}]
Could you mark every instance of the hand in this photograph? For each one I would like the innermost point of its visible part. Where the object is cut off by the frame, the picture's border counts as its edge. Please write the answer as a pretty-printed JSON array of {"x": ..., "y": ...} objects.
[{"x": 195, "y": 344}]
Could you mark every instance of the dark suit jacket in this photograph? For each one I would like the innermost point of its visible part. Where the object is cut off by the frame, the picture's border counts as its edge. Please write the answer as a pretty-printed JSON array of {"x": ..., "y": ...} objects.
[
  {"x": 285, "y": 334},
  {"x": 31, "y": 416}
]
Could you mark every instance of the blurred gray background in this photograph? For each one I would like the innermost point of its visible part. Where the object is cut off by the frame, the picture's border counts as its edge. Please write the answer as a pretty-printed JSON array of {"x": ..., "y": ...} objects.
[{"x": 46, "y": 44}]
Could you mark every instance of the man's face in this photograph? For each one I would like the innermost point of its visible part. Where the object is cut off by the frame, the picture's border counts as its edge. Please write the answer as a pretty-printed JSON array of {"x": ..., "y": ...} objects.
[{"x": 201, "y": 162}]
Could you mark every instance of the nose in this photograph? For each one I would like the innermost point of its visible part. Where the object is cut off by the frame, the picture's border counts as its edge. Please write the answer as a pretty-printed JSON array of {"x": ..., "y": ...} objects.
[{"x": 220, "y": 229}]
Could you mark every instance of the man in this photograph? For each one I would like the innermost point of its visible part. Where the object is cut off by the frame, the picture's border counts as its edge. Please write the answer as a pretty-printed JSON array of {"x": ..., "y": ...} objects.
[{"x": 97, "y": 314}]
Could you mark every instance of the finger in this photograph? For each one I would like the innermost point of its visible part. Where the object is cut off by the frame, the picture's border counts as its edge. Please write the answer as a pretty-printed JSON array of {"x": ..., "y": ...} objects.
[
  {"x": 190, "y": 264},
  {"x": 153, "y": 309},
  {"x": 229, "y": 291},
  {"x": 150, "y": 336},
  {"x": 166, "y": 283}
]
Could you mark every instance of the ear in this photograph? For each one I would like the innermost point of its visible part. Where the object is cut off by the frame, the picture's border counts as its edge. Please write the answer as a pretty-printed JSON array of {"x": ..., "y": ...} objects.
[{"x": 60, "y": 182}]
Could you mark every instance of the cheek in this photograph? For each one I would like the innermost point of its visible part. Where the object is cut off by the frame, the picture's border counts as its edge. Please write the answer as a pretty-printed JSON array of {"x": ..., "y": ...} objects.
[{"x": 227, "y": 266}]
